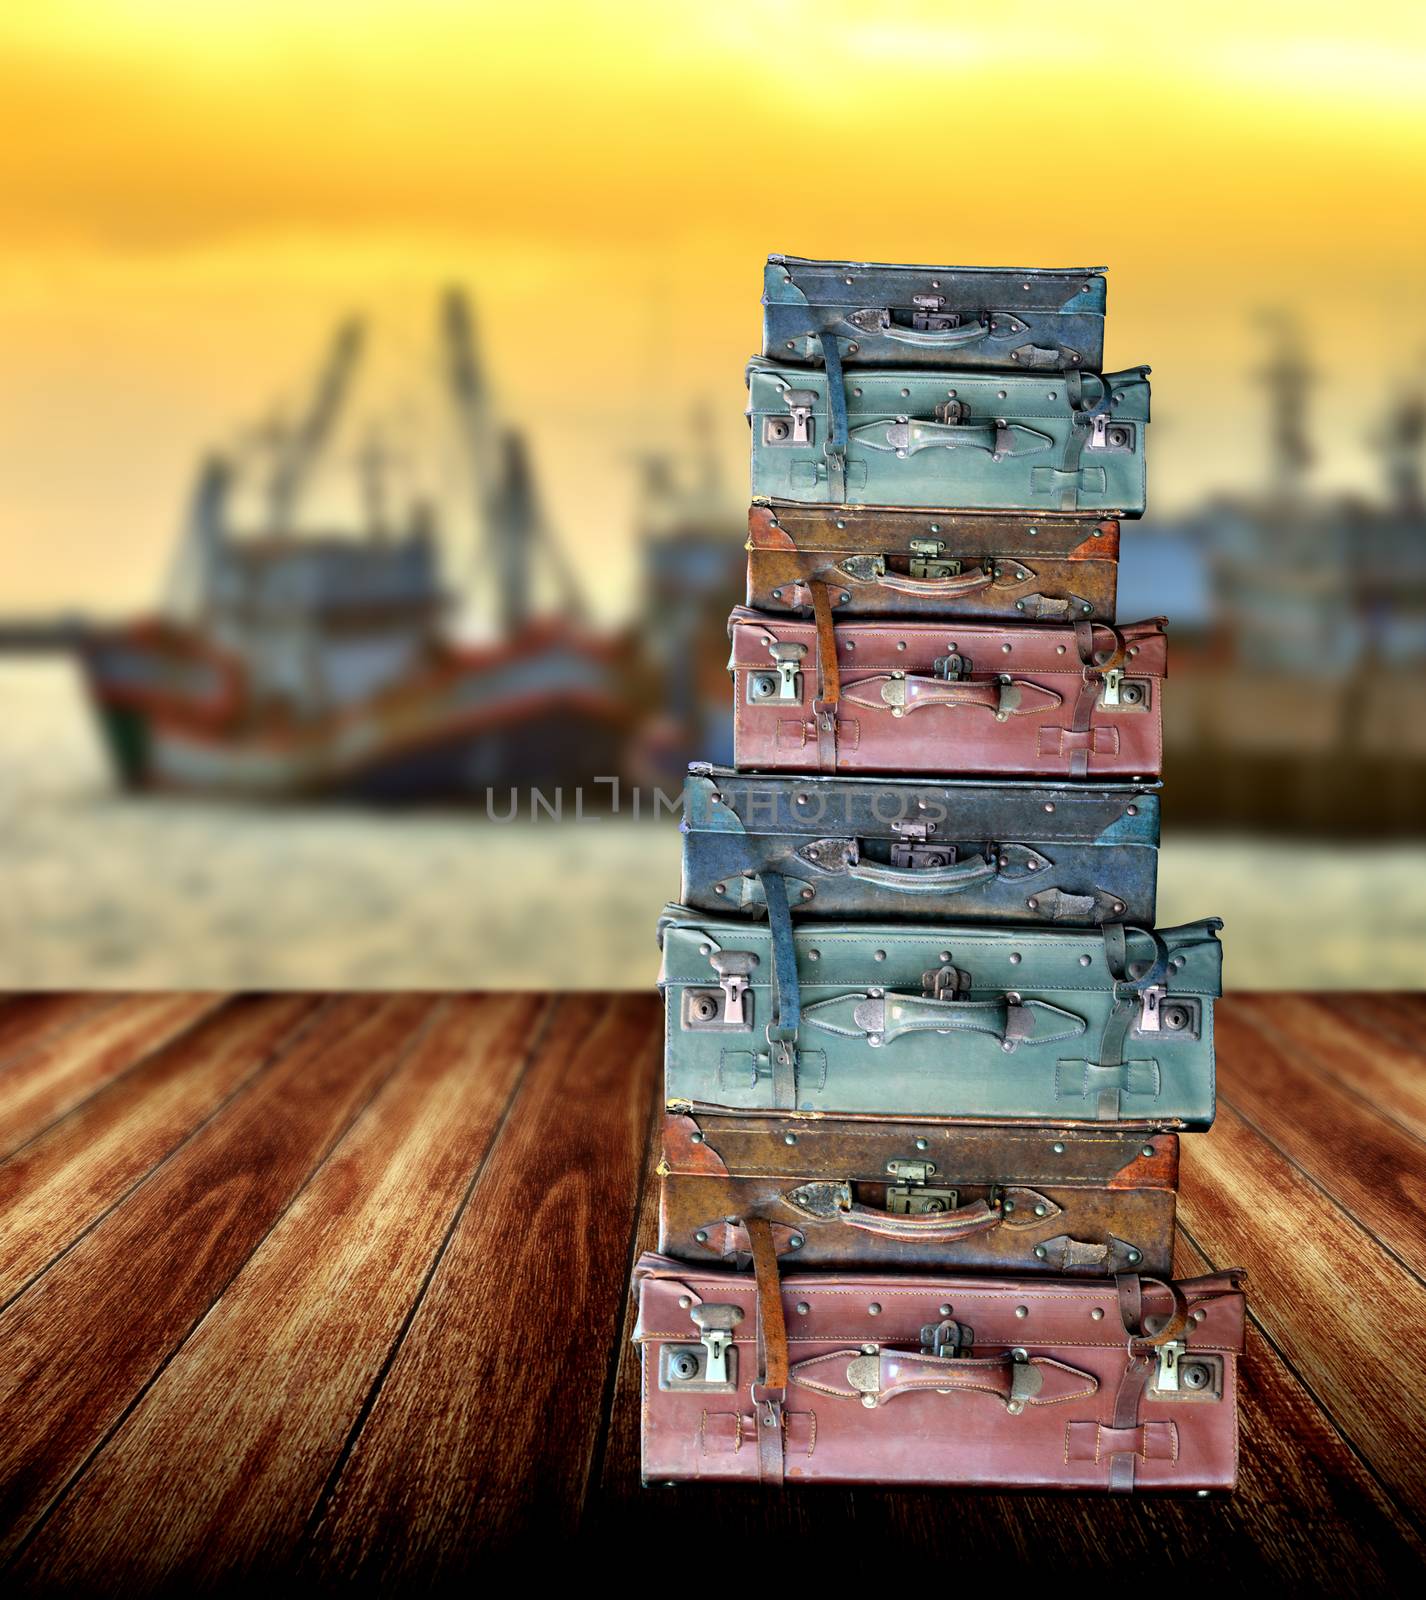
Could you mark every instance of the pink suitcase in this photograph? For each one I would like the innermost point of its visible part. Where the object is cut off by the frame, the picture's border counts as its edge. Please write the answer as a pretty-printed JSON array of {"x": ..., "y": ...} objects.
[{"x": 1036, "y": 1383}]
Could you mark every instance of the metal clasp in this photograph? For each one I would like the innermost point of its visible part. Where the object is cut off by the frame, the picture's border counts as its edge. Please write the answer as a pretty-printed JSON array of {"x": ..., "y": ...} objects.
[
  {"x": 924, "y": 562},
  {"x": 1113, "y": 678},
  {"x": 715, "y": 1326},
  {"x": 928, "y": 316},
  {"x": 733, "y": 967},
  {"x": 1149, "y": 1003},
  {"x": 911, "y": 848},
  {"x": 1169, "y": 1356},
  {"x": 946, "y": 1338},
  {"x": 800, "y": 403}
]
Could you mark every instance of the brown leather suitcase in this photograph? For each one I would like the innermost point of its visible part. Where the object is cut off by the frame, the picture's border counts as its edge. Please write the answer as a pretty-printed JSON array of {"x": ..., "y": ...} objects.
[
  {"x": 965, "y": 699},
  {"x": 932, "y": 563},
  {"x": 956, "y": 1381},
  {"x": 867, "y": 1192}
]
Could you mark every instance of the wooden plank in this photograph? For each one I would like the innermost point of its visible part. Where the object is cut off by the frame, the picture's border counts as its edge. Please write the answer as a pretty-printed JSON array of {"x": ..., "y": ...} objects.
[
  {"x": 1314, "y": 1122},
  {"x": 1332, "y": 1037},
  {"x": 482, "y": 1433},
  {"x": 27, "y": 1020},
  {"x": 82, "y": 1342},
  {"x": 216, "y": 1472},
  {"x": 1341, "y": 1311},
  {"x": 1306, "y": 1509},
  {"x": 43, "y": 1083},
  {"x": 61, "y": 1181}
]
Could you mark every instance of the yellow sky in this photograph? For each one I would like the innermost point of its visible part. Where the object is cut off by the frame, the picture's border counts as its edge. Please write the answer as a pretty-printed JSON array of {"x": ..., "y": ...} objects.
[{"x": 189, "y": 195}]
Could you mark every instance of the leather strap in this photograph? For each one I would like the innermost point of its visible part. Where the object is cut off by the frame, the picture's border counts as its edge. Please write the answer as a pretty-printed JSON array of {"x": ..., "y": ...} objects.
[
  {"x": 834, "y": 448},
  {"x": 829, "y": 679},
  {"x": 770, "y": 1390},
  {"x": 1139, "y": 1365},
  {"x": 786, "y": 1021},
  {"x": 1082, "y": 415},
  {"x": 1126, "y": 1003},
  {"x": 1091, "y": 684}
]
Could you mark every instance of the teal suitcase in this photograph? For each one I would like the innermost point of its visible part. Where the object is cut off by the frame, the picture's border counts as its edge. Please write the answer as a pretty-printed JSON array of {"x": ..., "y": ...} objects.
[
  {"x": 963, "y": 1021},
  {"x": 955, "y": 440}
]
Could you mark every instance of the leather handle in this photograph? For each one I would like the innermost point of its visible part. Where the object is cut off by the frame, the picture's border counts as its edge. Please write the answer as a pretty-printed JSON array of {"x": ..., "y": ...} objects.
[
  {"x": 878, "y": 1017},
  {"x": 843, "y": 858},
  {"x": 876, "y": 1376},
  {"x": 927, "y": 338},
  {"x": 902, "y": 693},
  {"x": 907, "y": 438},
  {"x": 936, "y": 1227},
  {"x": 972, "y": 582}
]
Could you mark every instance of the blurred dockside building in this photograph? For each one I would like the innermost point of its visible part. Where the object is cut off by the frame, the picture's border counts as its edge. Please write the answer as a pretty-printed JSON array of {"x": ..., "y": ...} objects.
[{"x": 290, "y": 662}]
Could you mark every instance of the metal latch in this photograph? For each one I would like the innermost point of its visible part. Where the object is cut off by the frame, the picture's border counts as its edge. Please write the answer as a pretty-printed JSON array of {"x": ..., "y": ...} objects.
[
  {"x": 726, "y": 1008},
  {"x": 910, "y": 1197},
  {"x": 733, "y": 967},
  {"x": 1183, "y": 1375},
  {"x": 1165, "y": 1018},
  {"x": 1107, "y": 435},
  {"x": 1113, "y": 677},
  {"x": 946, "y": 1338},
  {"x": 923, "y": 563},
  {"x": 928, "y": 317},
  {"x": 944, "y": 983},
  {"x": 796, "y": 428},
  {"x": 911, "y": 848},
  {"x": 951, "y": 412},
  {"x": 950, "y": 668},
  {"x": 785, "y": 683},
  {"x": 712, "y": 1363}
]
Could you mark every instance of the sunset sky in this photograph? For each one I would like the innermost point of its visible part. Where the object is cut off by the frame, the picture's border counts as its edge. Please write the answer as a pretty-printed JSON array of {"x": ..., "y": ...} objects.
[{"x": 191, "y": 194}]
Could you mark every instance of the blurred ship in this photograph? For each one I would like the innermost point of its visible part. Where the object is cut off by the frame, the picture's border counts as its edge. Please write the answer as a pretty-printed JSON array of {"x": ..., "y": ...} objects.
[
  {"x": 297, "y": 663},
  {"x": 1298, "y": 699},
  {"x": 691, "y": 532}
]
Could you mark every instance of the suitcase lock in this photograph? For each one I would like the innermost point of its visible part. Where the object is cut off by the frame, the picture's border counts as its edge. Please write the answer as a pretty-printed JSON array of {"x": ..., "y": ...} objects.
[
  {"x": 1124, "y": 694},
  {"x": 912, "y": 848},
  {"x": 710, "y": 1365},
  {"x": 1109, "y": 436},
  {"x": 923, "y": 563},
  {"x": 786, "y": 682},
  {"x": 1179, "y": 1375},
  {"x": 795, "y": 428},
  {"x": 911, "y": 1197},
  {"x": 1162, "y": 1018},
  {"x": 726, "y": 1007}
]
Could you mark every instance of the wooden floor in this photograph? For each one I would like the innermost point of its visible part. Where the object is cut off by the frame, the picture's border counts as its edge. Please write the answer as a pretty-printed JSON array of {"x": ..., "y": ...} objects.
[{"x": 337, "y": 1286}]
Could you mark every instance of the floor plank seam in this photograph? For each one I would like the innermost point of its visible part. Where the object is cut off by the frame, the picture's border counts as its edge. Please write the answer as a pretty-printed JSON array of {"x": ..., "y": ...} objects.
[
  {"x": 1321, "y": 1188},
  {"x": 83, "y": 1469},
  {"x": 319, "y": 1510},
  {"x": 102, "y": 1005},
  {"x": 611, "y": 1380},
  {"x": 1408, "y": 1519},
  {"x": 260, "y": 1070},
  {"x": 138, "y": 1061},
  {"x": 1388, "y": 1032},
  {"x": 1312, "y": 1063}
]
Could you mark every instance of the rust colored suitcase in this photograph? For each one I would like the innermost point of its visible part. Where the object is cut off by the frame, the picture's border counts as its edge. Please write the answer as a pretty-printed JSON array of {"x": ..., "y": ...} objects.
[
  {"x": 968, "y": 699},
  {"x": 903, "y": 1195},
  {"x": 955, "y": 1381},
  {"x": 932, "y": 564}
]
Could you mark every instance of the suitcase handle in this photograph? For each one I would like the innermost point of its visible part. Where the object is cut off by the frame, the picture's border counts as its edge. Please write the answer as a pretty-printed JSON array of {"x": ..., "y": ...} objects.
[
  {"x": 876, "y": 320},
  {"x": 842, "y": 857},
  {"x": 832, "y": 1202},
  {"x": 876, "y": 1374},
  {"x": 903, "y": 693},
  {"x": 878, "y": 1017},
  {"x": 883, "y": 577},
  {"x": 906, "y": 436}
]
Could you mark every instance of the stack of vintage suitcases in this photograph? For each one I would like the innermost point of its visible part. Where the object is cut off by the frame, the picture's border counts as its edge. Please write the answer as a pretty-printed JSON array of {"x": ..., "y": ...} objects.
[{"x": 927, "y": 1055}]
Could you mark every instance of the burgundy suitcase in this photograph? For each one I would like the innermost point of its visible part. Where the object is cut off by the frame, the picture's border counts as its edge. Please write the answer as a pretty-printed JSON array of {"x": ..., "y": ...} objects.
[
  {"x": 897, "y": 1194},
  {"x": 966, "y": 699},
  {"x": 1044, "y": 1383}
]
